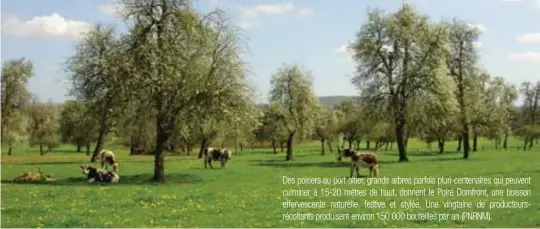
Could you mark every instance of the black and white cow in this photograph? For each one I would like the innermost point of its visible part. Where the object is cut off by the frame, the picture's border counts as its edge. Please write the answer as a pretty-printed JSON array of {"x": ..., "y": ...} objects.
[
  {"x": 216, "y": 154},
  {"x": 99, "y": 175},
  {"x": 344, "y": 153}
]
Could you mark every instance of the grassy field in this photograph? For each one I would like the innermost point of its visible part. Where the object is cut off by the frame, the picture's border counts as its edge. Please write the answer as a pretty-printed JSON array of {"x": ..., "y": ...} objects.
[{"x": 248, "y": 193}]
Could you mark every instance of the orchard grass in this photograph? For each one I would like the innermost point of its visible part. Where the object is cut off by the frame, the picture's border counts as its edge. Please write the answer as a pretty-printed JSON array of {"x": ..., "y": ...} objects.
[{"x": 248, "y": 192}]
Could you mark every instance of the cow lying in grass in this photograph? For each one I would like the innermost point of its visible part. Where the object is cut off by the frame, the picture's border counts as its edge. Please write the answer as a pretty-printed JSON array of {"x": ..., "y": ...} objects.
[
  {"x": 365, "y": 160},
  {"x": 107, "y": 157},
  {"x": 31, "y": 177},
  {"x": 216, "y": 154},
  {"x": 99, "y": 175},
  {"x": 344, "y": 153}
]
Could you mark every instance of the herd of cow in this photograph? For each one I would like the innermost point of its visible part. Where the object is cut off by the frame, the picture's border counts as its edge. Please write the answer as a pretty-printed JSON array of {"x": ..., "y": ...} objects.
[{"x": 107, "y": 157}]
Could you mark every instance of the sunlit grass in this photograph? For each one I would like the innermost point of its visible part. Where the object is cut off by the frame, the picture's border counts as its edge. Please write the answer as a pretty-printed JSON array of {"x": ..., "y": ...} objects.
[{"x": 248, "y": 193}]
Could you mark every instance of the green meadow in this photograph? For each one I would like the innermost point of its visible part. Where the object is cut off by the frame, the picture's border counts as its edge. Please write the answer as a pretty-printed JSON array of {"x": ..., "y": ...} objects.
[{"x": 249, "y": 191}]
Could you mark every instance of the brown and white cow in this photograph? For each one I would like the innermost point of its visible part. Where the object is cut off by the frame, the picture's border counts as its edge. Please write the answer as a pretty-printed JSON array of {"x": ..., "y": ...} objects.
[
  {"x": 364, "y": 160},
  {"x": 216, "y": 154},
  {"x": 107, "y": 157}
]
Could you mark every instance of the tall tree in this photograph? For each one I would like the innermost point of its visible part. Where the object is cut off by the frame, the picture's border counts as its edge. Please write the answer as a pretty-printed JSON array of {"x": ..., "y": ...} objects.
[
  {"x": 530, "y": 109},
  {"x": 96, "y": 72},
  {"x": 510, "y": 95},
  {"x": 436, "y": 115},
  {"x": 15, "y": 76},
  {"x": 182, "y": 60},
  {"x": 326, "y": 126},
  {"x": 292, "y": 90},
  {"x": 461, "y": 62},
  {"x": 43, "y": 126},
  {"x": 397, "y": 55},
  {"x": 76, "y": 127}
]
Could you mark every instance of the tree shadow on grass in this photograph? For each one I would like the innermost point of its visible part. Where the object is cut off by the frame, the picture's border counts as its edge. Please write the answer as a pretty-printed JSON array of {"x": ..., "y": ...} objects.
[
  {"x": 85, "y": 162},
  {"x": 424, "y": 153},
  {"x": 137, "y": 179},
  {"x": 53, "y": 163},
  {"x": 325, "y": 164},
  {"x": 58, "y": 151},
  {"x": 450, "y": 159}
]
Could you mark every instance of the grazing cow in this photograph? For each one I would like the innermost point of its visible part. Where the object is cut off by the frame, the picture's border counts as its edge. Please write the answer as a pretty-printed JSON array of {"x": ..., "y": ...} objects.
[
  {"x": 107, "y": 157},
  {"x": 365, "y": 160},
  {"x": 344, "y": 153},
  {"x": 216, "y": 154},
  {"x": 99, "y": 175}
]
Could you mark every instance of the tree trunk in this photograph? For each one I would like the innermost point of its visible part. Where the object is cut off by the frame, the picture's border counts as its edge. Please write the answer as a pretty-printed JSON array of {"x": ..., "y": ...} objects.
[
  {"x": 367, "y": 144},
  {"x": 131, "y": 145},
  {"x": 159, "y": 158},
  {"x": 99, "y": 143},
  {"x": 464, "y": 123},
  {"x": 103, "y": 127},
  {"x": 357, "y": 147},
  {"x": 531, "y": 142},
  {"x": 322, "y": 147},
  {"x": 203, "y": 146},
  {"x": 87, "y": 149},
  {"x": 290, "y": 147},
  {"x": 460, "y": 142},
  {"x": 391, "y": 145},
  {"x": 475, "y": 139},
  {"x": 505, "y": 141},
  {"x": 400, "y": 132},
  {"x": 10, "y": 149},
  {"x": 41, "y": 149},
  {"x": 330, "y": 146},
  {"x": 274, "y": 146},
  {"x": 350, "y": 144},
  {"x": 441, "y": 146},
  {"x": 525, "y": 144},
  {"x": 236, "y": 145},
  {"x": 78, "y": 147},
  {"x": 386, "y": 148},
  {"x": 282, "y": 145},
  {"x": 496, "y": 143},
  {"x": 241, "y": 147}
]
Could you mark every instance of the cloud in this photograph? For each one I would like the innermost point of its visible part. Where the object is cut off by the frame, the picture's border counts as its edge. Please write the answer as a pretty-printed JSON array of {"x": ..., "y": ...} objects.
[
  {"x": 268, "y": 9},
  {"x": 49, "y": 26},
  {"x": 480, "y": 27},
  {"x": 248, "y": 24},
  {"x": 510, "y": 0},
  {"x": 529, "y": 38},
  {"x": 526, "y": 56},
  {"x": 250, "y": 15}
]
